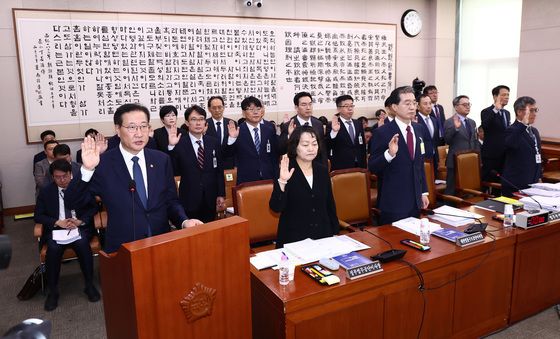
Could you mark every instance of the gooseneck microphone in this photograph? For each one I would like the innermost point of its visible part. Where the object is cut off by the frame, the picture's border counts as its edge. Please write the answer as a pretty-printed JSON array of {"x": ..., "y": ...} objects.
[
  {"x": 132, "y": 189},
  {"x": 497, "y": 174},
  {"x": 472, "y": 228}
]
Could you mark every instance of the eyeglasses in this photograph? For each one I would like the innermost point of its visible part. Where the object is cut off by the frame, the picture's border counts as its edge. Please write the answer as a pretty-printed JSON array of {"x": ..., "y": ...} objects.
[
  {"x": 197, "y": 119},
  {"x": 61, "y": 177},
  {"x": 254, "y": 109},
  {"x": 347, "y": 106},
  {"x": 134, "y": 128},
  {"x": 534, "y": 110},
  {"x": 466, "y": 104},
  {"x": 306, "y": 104},
  {"x": 410, "y": 103}
]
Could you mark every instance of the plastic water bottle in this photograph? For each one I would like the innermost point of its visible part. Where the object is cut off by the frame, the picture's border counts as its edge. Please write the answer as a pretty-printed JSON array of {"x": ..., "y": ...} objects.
[
  {"x": 284, "y": 270},
  {"x": 508, "y": 215},
  {"x": 424, "y": 231}
]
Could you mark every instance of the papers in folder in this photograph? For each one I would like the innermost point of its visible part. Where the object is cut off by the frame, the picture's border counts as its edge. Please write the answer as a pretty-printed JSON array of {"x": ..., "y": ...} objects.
[
  {"x": 463, "y": 217},
  {"x": 308, "y": 250},
  {"x": 412, "y": 225},
  {"x": 547, "y": 203},
  {"x": 63, "y": 237}
]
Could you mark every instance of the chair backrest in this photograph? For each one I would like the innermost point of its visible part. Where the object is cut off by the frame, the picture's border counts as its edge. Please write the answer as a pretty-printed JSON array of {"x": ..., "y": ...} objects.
[
  {"x": 250, "y": 201},
  {"x": 230, "y": 178},
  {"x": 430, "y": 182},
  {"x": 467, "y": 170},
  {"x": 442, "y": 157},
  {"x": 351, "y": 191}
]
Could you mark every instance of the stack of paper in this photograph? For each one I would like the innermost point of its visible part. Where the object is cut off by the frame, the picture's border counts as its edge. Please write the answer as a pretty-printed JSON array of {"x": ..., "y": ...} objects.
[
  {"x": 546, "y": 186},
  {"x": 412, "y": 225},
  {"x": 540, "y": 192},
  {"x": 547, "y": 203},
  {"x": 462, "y": 217},
  {"x": 64, "y": 237}
]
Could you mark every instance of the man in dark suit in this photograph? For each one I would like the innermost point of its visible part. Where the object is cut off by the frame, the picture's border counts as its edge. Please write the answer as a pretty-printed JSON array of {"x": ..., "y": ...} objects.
[
  {"x": 303, "y": 104},
  {"x": 217, "y": 126},
  {"x": 460, "y": 135},
  {"x": 429, "y": 122},
  {"x": 437, "y": 112},
  {"x": 135, "y": 183},
  {"x": 41, "y": 168},
  {"x": 198, "y": 159},
  {"x": 398, "y": 162},
  {"x": 345, "y": 137},
  {"x": 494, "y": 120},
  {"x": 50, "y": 211},
  {"x": 45, "y": 136},
  {"x": 523, "y": 163},
  {"x": 254, "y": 145}
]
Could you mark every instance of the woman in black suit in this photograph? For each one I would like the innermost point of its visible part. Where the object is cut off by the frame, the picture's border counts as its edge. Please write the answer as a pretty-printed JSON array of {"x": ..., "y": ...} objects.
[
  {"x": 303, "y": 193},
  {"x": 168, "y": 116}
]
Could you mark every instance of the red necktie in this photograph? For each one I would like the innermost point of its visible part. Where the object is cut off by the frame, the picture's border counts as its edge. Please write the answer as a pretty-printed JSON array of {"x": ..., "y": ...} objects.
[{"x": 409, "y": 142}]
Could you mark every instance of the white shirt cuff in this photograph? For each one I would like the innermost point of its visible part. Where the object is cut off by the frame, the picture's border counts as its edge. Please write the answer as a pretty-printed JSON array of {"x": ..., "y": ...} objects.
[
  {"x": 334, "y": 134},
  {"x": 231, "y": 140},
  {"x": 86, "y": 174},
  {"x": 170, "y": 147},
  {"x": 388, "y": 156}
]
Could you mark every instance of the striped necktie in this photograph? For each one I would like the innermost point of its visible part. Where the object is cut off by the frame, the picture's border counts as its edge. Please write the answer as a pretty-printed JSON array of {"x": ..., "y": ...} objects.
[{"x": 200, "y": 154}]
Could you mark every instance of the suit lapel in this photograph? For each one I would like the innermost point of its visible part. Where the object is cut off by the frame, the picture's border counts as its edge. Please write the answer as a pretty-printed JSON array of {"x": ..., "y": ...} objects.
[
  {"x": 151, "y": 168},
  {"x": 249, "y": 138}
]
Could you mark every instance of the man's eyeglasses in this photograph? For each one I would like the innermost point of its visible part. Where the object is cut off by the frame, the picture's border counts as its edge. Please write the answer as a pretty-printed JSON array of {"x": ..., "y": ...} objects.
[
  {"x": 254, "y": 109},
  {"x": 466, "y": 104},
  {"x": 534, "y": 110},
  {"x": 197, "y": 119},
  {"x": 134, "y": 128},
  {"x": 347, "y": 106}
]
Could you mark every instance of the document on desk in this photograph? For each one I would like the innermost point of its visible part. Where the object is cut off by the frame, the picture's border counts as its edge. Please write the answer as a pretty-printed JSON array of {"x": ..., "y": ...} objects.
[
  {"x": 64, "y": 237},
  {"x": 412, "y": 225},
  {"x": 546, "y": 186},
  {"x": 463, "y": 217},
  {"x": 541, "y": 192}
]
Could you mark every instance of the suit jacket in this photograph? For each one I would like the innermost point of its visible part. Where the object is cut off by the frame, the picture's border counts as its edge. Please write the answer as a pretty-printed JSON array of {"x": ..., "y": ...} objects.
[
  {"x": 441, "y": 123},
  {"x": 161, "y": 138},
  {"x": 38, "y": 157},
  {"x": 317, "y": 125},
  {"x": 431, "y": 140},
  {"x": 253, "y": 166},
  {"x": 459, "y": 140},
  {"x": 47, "y": 212},
  {"x": 43, "y": 177},
  {"x": 494, "y": 132},
  {"x": 305, "y": 212},
  {"x": 111, "y": 181},
  {"x": 345, "y": 152},
  {"x": 520, "y": 165},
  {"x": 402, "y": 181},
  {"x": 198, "y": 184},
  {"x": 227, "y": 162}
]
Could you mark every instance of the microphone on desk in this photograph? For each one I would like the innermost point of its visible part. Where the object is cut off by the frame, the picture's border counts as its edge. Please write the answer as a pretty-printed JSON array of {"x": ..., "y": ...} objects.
[
  {"x": 471, "y": 228},
  {"x": 497, "y": 174},
  {"x": 132, "y": 189}
]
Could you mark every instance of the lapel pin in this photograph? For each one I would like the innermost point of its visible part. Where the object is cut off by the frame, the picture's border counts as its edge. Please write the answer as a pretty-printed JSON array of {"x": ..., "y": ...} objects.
[{"x": 151, "y": 165}]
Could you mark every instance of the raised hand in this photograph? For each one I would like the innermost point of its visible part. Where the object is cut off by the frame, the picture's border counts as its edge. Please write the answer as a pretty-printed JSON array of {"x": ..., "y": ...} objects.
[
  {"x": 285, "y": 172},
  {"x": 90, "y": 153},
  {"x": 335, "y": 124},
  {"x": 233, "y": 131},
  {"x": 101, "y": 142},
  {"x": 205, "y": 128},
  {"x": 525, "y": 119},
  {"x": 498, "y": 103},
  {"x": 381, "y": 120},
  {"x": 457, "y": 121},
  {"x": 394, "y": 145},
  {"x": 286, "y": 118},
  {"x": 291, "y": 127},
  {"x": 173, "y": 138}
]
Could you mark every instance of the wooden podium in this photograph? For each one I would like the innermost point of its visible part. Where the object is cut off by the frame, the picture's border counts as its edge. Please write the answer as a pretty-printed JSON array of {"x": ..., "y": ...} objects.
[{"x": 191, "y": 283}]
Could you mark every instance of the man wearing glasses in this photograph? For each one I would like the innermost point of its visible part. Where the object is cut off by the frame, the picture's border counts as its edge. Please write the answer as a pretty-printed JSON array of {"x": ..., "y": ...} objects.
[
  {"x": 135, "y": 183},
  {"x": 254, "y": 145},
  {"x": 303, "y": 104},
  {"x": 460, "y": 135},
  {"x": 346, "y": 137},
  {"x": 523, "y": 163},
  {"x": 437, "y": 112}
]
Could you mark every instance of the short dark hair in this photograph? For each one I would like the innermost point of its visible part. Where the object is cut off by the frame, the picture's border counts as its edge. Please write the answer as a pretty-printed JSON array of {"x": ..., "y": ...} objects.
[
  {"x": 49, "y": 142},
  {"x": 164, "y": 110},
  {"x": 248, "y": 101},
  {"x": 378, "y": 112},
  {"x": 388, "y": 101},
  {"x": 216, "y": 97},
  {"x": 123, "y": 109},
  {"x": 47, "y": 132},
  {"x": 496, "y": 90},
  {"x": 362, "y": 119},
  {"x": 301, "y": 95},
  {"x": 293, "y": 142},
  {"x": 323, "y": 119},
  {"x": 60, "y": 165},
  {"x": 522, "y": 102},
  {"x": 429, "y": 88},
  {"x": 342, "y": 98},
  {"x": 458, "y": 98},
  {"x": 423, "y": 95},
  {"x": 240, "y": 121},
  {"x": 194, "y": 108},
  {"x": 91, "y": 131},
  {"x": 395, "y": 97},
  {"x": 61, "y": 149},
  {"x": 368, "y": 129}
]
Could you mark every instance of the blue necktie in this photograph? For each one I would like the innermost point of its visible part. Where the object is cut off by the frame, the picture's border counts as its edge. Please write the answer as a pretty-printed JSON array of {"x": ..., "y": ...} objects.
[
  {"x": 257, "y": 140},
  {"x": 139, "y": 179},
  {"x": 351, "y": 131}
]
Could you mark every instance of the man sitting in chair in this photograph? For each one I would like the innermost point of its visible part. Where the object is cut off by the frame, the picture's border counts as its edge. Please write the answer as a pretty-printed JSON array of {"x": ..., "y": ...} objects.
[{"x": 51, "y": 212}]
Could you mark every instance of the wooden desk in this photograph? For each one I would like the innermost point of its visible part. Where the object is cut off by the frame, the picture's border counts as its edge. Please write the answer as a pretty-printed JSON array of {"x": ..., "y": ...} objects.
[{"x": 389, "y": 304}]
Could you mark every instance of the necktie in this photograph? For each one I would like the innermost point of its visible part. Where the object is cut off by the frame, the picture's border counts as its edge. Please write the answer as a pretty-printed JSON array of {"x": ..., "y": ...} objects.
[
  {"x": 219, "y": 131},
  {"x": 139, "y": 179},
  {"x": 503, "y": 116},
  {"x": 306, "y": 124},
  {"x": 409, "y": 142},
  {"x": 468, "y": 127},
  {"x": 438, "y": 121},
  {"x": 257, "y": 139},
  {"x": 430, "y": 126},
  {"x": 351, "y": 131},
  {"x": 67, "y": 212},
  {"x": 200, "y": 154}
]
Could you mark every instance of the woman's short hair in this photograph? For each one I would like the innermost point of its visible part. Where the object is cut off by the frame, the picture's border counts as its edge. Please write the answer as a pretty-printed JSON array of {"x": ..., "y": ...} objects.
[{"x": 293, "y": 142}]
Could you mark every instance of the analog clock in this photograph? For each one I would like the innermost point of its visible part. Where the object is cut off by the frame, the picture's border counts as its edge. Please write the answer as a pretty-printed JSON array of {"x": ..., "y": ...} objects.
[{"x": 411, "y": 23}]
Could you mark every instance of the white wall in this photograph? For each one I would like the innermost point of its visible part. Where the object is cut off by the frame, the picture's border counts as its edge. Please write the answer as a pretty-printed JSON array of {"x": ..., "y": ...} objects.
[
  {"x": 539, "y": 56},
  {"x": 429, "y": 56}
]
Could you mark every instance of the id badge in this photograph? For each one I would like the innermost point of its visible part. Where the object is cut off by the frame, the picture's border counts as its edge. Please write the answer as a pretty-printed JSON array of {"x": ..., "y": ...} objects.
[
  {"x": 360, "y": 140},
  {"x": 214, "y": 160},
  {"x": 422, "y": 148},
  {"x": 268, "y": 146},
  {"x": 538, "y": 159}
]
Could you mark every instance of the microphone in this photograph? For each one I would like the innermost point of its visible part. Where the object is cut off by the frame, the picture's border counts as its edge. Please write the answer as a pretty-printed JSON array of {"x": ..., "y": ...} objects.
[
  {"x": 471, "y": 228},
  {"x": 132, "y": 189},
  {"x": 497, "y": 174}
]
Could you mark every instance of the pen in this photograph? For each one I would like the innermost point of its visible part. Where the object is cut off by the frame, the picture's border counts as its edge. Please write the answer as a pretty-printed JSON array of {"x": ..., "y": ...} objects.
[{"x": 67, "y": 234}]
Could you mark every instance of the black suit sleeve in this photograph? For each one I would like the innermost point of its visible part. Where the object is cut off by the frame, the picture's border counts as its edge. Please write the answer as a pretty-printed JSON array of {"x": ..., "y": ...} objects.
[{"x": 278, "y": 199}]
